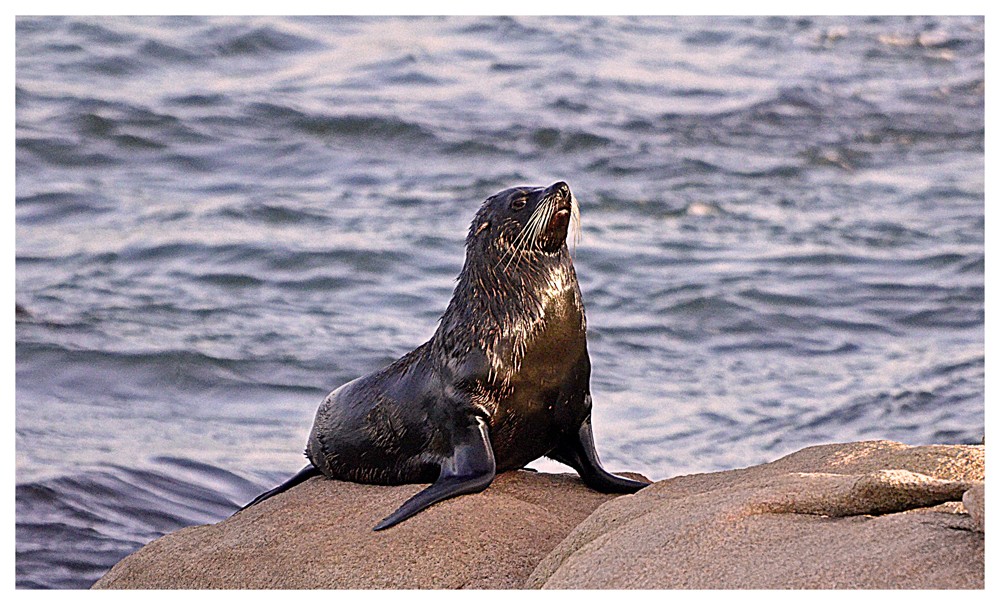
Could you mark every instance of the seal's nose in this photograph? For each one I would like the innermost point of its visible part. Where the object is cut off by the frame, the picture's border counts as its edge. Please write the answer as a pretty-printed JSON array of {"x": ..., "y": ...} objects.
[{"x": 561, "y": 189}]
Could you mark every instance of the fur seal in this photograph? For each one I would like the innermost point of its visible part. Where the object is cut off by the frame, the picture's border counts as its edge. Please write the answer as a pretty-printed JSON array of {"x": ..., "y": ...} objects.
[{"x": 504, "y": 380}]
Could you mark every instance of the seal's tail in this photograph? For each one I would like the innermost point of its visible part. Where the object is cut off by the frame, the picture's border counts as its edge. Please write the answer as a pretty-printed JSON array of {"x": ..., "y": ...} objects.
[{"x": 306, "y": 473}]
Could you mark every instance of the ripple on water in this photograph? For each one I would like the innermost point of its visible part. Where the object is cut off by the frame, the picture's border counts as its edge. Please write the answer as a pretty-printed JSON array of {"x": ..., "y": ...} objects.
[{"x": 70, "y": 530}]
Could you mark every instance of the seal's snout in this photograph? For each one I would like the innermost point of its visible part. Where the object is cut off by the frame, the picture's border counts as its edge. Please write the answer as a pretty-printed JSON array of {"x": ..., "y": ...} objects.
[
  {"x": 560, "y": 190},
  {"x": 559, "y": 194}
]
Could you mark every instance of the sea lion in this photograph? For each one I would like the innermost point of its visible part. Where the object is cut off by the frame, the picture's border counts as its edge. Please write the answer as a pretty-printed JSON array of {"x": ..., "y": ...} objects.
[{"x": 504, "y": 380}]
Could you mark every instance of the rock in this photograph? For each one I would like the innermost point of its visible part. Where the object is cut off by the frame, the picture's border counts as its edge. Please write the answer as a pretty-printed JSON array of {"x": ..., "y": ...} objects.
[
  {"x": 975, "y": 502},
  {"x": 859, "y": 515},
  {"x": 870, "y": 515},
  {"x": 319, "y": 535}
]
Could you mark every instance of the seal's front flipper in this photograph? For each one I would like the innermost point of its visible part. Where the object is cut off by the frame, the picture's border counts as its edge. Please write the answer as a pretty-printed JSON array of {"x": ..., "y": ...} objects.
[
  {"x": 470, "y": 468},
  {"x": 578, "y": 451}
]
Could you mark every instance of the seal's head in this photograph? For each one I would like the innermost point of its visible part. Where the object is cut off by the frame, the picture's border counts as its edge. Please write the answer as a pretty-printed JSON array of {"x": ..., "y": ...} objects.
[{"x": 520, "y": 221}]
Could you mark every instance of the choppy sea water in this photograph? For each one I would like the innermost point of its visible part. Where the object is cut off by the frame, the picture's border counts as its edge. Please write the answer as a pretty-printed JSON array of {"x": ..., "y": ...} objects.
[{"x": 219, "y": 220}]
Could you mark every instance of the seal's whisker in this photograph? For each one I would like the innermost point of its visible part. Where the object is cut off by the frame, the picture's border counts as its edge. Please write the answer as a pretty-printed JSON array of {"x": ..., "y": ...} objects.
[
  {"x": 574, "y": 219},
  {"x": 544, "y": 211},
  {"x": 514, "y": 245},
  {"x": 543, "y": 222},
  {"x": 511, "y": 250},
  {"x": 524, "y": 238},
  {"x": 529, "y": 233}
]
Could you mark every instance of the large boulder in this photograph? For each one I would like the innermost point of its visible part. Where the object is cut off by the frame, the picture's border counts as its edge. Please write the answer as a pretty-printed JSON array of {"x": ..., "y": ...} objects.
[
  {"x": 860, "y": 515},
  {"x": 319, "y": 535},
  {"x": 873, "y": 514}
]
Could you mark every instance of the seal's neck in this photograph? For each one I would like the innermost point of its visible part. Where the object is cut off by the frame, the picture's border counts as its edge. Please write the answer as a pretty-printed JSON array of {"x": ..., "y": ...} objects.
[
  {"x": 512, "y": 287},
  {"x": 499, "y": 309}
]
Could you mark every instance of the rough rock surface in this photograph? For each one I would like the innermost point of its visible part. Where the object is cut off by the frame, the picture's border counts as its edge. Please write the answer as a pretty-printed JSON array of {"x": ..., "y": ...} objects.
[
  {"x": 860, "y": 515},
  {"x": 975, "y": 503},
  {"x": 874, "y": 514},
  {"x": 319, "y": 535}
]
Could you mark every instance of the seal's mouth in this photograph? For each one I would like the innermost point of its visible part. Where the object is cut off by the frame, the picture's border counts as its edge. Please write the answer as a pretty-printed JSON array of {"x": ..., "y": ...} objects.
[
  {"x": 559, "y": 224},
  {"x": 562, "y": 203}
]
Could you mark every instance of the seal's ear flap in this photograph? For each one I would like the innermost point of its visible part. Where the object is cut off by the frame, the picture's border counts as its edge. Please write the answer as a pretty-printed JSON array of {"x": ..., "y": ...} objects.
[{"x": 483, "y": 227}]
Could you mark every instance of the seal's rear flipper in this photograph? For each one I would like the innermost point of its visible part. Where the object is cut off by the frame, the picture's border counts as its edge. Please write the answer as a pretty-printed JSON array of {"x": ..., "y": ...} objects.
[
  {"x": 306, "y": 473},
  {"x": 470, "y": 468},
  {"x": 578, "y": 451}
]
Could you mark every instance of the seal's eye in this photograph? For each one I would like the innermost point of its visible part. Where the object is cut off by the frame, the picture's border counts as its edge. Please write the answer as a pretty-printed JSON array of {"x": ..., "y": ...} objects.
[{"x": 518, "y": 203}]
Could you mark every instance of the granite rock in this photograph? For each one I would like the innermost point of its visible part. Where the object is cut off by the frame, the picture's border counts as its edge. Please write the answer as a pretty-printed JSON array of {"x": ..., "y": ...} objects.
[
  {"x": 859, "y": 515},
  {"x": 873, "y": 514},
  {"x": 975, "y": 503},
  {"x": 319, "y": 535}
]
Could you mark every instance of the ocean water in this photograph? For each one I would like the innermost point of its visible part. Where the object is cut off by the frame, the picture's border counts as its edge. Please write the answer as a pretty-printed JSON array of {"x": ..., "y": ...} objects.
[{"x": 219, "y": 220}]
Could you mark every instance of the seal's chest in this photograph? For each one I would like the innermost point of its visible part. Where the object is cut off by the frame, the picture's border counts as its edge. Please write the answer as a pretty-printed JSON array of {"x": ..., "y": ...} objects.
[{"x": 556, "y": 343}]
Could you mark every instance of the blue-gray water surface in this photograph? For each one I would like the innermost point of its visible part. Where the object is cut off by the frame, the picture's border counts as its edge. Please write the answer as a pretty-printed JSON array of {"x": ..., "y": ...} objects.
[{"x": 219, "y": 220}]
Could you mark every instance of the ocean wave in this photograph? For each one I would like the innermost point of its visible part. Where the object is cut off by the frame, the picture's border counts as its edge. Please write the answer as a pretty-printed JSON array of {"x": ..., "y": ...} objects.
[
  {"x": 104, "y": 514},
  {"x": 59, "y": 151},
  {"x": 240, "y": 41},
  {"x": 60, "y": 206},
  {"x": 131, "y": 376},
  {"x": 274, "y": 214},
  {"x": 375, "y": 128}
]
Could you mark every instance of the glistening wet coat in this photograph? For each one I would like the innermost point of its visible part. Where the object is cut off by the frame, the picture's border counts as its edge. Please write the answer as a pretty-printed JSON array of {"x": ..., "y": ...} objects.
[{"x": 504, "y": 380}]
